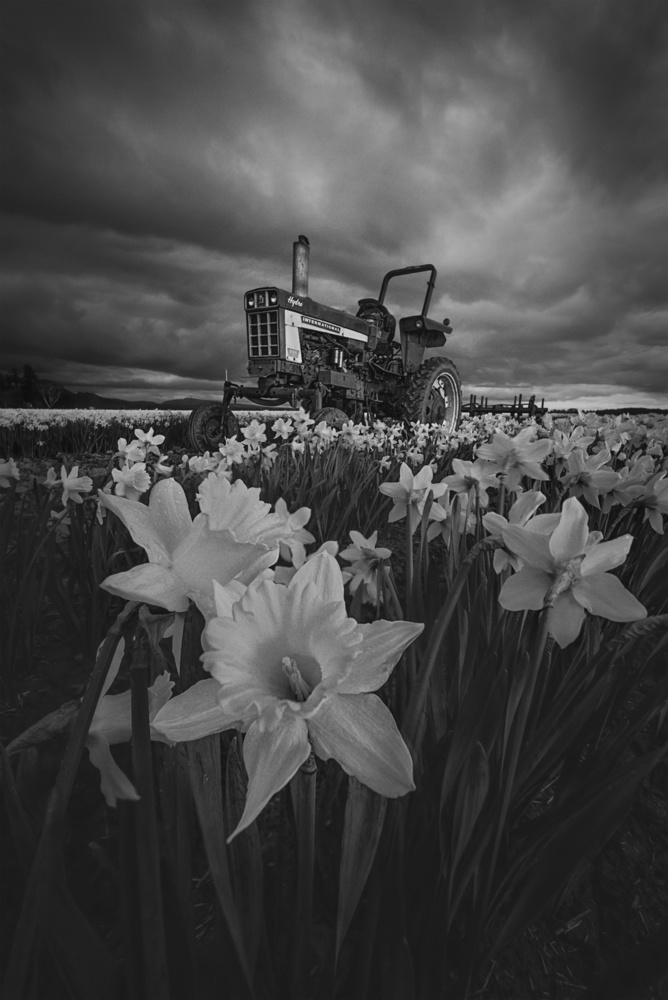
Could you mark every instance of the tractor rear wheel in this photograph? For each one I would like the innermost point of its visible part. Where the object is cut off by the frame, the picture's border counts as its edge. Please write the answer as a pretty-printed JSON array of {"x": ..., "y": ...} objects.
[
  {"x": 434, "y": 395},
  {"x": 332, "y": 415},
  {"x": 206, "y": 428}
]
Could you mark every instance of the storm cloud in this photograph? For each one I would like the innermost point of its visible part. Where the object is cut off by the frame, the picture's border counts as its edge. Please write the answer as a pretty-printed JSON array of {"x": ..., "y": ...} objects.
[{"x": 159, "y": 159}]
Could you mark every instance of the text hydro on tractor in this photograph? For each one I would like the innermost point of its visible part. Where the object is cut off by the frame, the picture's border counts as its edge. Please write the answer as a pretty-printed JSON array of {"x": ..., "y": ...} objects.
[{"x": 336, "y": 365}]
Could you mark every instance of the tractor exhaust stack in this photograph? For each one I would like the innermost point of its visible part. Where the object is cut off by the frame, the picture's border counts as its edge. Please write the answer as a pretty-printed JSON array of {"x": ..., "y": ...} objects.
[{"x": 300, "y": 256}]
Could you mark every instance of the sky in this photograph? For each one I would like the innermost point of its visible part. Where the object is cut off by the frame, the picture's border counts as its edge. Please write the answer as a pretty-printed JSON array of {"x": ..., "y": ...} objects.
[{"x": 160, "y": 158}]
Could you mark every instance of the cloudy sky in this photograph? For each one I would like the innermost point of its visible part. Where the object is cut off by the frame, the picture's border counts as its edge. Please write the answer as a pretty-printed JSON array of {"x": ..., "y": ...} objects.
[{"x": 159, "y": 158}]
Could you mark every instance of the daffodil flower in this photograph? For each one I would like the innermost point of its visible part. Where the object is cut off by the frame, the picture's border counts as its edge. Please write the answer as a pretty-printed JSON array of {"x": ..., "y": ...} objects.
[
  {"x": 367, "y": 562},
  {"x": 8, "y": 470},
  {"x": 73, "y": 484},
  {"x": 521, "y": 514},
  {"x": 133, "y": 451},
  {"x": 295, "y": 535},
  {"x": 131, "y": 481},
  {"x": 112, "y": 724},
  {"x": 186, "y": 556},
  {"x": 150, "y": 440},
  {"x": 472, "y": 477},
  {"x": 567, "y": 572},
  {"x": 232, "y": 451},
  {"x": 586, "y": 476},
  {"x": 653, "y": 496},
  {"x": 296, "y": 674},
  {"x": 282, "y": 428},
  {"x": 410, "y": 493},
  {"x": 254, "y": 434},
  {"x": 516, "y": 457}
]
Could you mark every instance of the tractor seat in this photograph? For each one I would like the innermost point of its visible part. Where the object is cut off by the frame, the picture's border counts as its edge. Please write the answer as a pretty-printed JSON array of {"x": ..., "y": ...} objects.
[{"x": 375, "y": 310}]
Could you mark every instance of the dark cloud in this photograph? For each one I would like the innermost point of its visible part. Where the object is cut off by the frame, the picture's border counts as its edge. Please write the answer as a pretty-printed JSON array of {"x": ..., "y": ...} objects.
[{"x": 159, "y": 158}]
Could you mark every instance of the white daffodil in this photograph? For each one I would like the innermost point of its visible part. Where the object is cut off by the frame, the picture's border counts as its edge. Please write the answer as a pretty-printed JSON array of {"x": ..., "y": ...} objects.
[
  {"x": 131, "y": 481},
  {"x": 521, "y": 514},
  {"x": 186, "y": 556},
  {"x": 74, "y": 485},
  {"x": 282, "y": 428},
  {"x": 471, "y": 478},
  {"x": 133, "y": 451},
  {"x": 295, "y": 673},
  {"x": 8, "y": 470},
  {"x": 254, "y": 434},
  {"x": 112, "y": 724},
  {"x": 586, "y": 476},
  {"x": 567, "y": 571},
  {"x": 410, "y": 493},
  {"x": 516, "y": 457},
  {"x": 295, "y": 534},
  {"x": 150, "y": 440},
  {"x": 368, "y": 561}
]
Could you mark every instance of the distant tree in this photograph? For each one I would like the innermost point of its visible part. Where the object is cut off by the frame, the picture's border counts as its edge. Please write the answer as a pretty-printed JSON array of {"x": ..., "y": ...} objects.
[{"x": 49, "y": 392}]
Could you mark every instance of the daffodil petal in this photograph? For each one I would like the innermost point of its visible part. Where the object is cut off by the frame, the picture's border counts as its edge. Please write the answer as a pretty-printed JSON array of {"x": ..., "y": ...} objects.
[
  {"x": 406, "y": 477},
  {"x": 382, "y": 645},
  {"x": 605, "y": 595},
  {"x": 112, "y": 719},
  {"x": 606, "y": 555},
  {"x": 113, "y": 782},
  {"x": 524, "y": 507},
  {"x": 565, "y": 619},
  {"x": 494, "y": 523},
  {"x": 394, "y": 490},
  {"x": 360, "y": 733},
  {"x": 170, "y": 516},
  {"x": 192, "y": 715},
  {"x": 272, "y": 758},
  {"x": 525, "y": 590},
  {"x": 533, "y": 548},
  {"x": 205, "y": 556},
  {"x": 151, "y": 584},
  {"x": 325, "y": 573},
  {"x": 542, "y": 524},
  {"x": 137, "y": 519},
  {"x": 569, "y": 538}
]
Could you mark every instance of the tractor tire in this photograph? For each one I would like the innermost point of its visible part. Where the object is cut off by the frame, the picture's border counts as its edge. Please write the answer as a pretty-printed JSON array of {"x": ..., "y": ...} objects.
[
  {"x": 434, "y": 395},
  {"x": 332, "y": 416},
  {"x": 205, "y": 427}
]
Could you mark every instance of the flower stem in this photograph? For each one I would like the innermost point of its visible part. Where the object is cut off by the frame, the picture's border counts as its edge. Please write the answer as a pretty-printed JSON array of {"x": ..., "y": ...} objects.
[
  {"x": 303, "y": 801},
  {"x": 409, "y": 563},
  {"x": 502, "y": 493}
]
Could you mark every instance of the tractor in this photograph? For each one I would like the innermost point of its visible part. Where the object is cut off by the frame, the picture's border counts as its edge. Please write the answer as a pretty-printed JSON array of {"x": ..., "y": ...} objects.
[{"x": 337, "y": 366}]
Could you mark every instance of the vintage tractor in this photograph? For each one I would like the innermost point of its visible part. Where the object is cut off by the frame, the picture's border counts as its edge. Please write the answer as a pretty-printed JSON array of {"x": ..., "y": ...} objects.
[{"x": 337, "y": 366}]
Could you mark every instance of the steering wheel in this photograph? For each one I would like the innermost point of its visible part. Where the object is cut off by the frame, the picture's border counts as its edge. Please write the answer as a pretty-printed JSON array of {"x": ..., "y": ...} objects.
[{"x": 373, "y": 309}]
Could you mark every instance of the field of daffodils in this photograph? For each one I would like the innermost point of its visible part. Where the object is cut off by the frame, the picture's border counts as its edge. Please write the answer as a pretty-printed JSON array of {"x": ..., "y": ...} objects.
[{"x": 367, "y": 713}]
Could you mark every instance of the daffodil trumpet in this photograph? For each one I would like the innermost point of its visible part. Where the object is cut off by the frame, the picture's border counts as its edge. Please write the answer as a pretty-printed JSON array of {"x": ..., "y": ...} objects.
[{"x": 294, "y": 673}]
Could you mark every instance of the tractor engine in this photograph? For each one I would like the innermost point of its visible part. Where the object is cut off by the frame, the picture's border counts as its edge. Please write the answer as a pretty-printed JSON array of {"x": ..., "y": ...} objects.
[{"x": 295, "y": 342}]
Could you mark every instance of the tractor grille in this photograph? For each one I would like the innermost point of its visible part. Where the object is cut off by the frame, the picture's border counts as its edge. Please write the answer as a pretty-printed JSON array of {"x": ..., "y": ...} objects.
[{"x": 263, "y": 334}]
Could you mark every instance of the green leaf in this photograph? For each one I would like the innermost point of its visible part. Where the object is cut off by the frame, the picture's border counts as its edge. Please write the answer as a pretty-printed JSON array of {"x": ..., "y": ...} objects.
[
  {"x": 362, "y": 826},
  {"x": 472, "y": 792},
  {"x": 205, "y": 774},
  {"x": 584, "y": 830},
  {"x": 245, "y": 855}
]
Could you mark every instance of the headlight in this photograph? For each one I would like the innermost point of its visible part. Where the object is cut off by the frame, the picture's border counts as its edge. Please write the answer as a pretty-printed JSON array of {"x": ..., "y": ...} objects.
[
  {"x": 273, "y": 298},
  {"x": 250, "y": 302}
]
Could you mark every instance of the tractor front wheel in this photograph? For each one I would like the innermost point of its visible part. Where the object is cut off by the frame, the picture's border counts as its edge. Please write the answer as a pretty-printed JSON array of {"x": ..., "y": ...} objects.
[
  {"x": 332, "y": 415},
  {"x": 207, "y": 429},
  {"x": 434, "y": 395}
]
